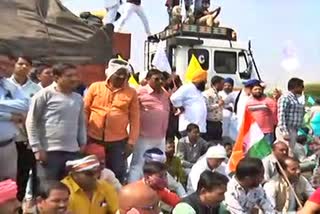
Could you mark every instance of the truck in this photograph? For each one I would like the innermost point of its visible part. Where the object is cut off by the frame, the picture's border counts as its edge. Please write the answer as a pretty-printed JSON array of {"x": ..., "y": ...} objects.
[{"x": 216, "y": 49}]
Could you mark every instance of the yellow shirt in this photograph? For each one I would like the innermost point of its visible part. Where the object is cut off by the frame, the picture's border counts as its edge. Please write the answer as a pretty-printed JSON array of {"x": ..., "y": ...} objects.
[{"x": 104, "y": 200}]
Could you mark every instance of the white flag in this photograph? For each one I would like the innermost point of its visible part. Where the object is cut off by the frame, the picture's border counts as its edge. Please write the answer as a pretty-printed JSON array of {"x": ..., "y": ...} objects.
[{"x": 160, "y": 60}]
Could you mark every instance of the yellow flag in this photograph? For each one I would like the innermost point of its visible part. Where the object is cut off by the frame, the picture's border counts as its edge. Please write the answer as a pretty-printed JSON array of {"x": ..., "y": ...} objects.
[
  {"x": 132, "y": 81},
  {"x": 193, "y": 67}
]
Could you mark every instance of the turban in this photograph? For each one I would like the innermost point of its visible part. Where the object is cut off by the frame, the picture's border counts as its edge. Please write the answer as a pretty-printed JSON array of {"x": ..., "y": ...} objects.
[
  {"x": 8, "y": 190},
  {"x": 199, "y": 76},
  {"x": 155, "y": 155},
  {"x": 85, "y": 164},
  {"x": 114, "y": 65},
  {"x": 229, "y": 80},
  {"x": 252, "y": 82}
]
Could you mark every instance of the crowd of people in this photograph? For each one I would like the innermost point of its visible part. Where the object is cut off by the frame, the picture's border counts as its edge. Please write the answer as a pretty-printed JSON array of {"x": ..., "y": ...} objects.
[{"x": 163, "y": 145}]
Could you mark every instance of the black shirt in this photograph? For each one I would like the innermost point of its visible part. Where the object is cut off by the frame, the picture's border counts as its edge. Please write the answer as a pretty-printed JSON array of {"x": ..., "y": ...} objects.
[{"x": 194, "y": 201}]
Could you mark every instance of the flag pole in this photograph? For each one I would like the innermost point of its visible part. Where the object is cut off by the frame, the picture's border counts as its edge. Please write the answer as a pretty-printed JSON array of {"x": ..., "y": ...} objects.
[{"x": 290, "y": 185}]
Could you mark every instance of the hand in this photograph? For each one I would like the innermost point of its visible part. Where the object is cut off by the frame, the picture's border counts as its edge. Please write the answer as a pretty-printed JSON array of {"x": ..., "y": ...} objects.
[
  {"x": 179, "y": 111},
  {"x": 41, "y": 156},
  {"x": 221, "y": 103},
  {"x": 128, "y": 150},
  {"x": 17, "y": 118},
  {"x": 82, "y": 149}
]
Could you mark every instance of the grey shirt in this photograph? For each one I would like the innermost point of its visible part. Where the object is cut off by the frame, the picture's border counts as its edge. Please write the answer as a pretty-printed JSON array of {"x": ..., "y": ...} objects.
[
  {"x": 55, "y": 121},
  {"x": 190, "y": 153}
]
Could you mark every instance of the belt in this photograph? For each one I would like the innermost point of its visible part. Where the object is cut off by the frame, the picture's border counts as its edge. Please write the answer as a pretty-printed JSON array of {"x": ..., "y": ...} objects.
[{"x": 6, "y": 143}]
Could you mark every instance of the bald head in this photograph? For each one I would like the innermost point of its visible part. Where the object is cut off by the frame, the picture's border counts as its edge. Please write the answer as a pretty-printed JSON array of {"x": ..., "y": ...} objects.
[
  {"x": 280, "y": 150},
  {"x": 140, "y": 197}
]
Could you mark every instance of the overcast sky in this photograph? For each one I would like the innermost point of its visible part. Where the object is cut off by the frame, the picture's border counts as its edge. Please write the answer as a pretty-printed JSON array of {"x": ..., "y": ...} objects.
[{"x": 280, "y": 30}]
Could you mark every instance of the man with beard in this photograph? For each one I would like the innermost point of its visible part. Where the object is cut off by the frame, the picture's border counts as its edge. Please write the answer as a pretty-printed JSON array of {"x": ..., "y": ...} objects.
[
  {"x": 279, "y": 192},
  {"x": 191, "y": 104},
  {"x": 264, "y": 111}
]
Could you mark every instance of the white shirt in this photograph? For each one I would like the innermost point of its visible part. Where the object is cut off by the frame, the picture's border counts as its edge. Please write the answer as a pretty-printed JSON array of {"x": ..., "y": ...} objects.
[
  {"x": 189, "y": 97},
  {"x": 200, "y": 166},
  {"x": 241, "y": 107},
  {"x": 239, "y": 201},
  {"x": 269, "y": 164}
]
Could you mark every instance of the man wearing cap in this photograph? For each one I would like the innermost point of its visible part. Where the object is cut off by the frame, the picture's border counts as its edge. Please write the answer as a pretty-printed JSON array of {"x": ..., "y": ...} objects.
[
  {"x": 154, "y": 117},
  {"x": 55, "y": 124},
  {"x": 110, "y": 106},
  {"x": 87, "y": 193},
  {"x": 191, "y": 104},
  {"x": 214, "y": 107},
  {"x": 213, "y": 160},
  {"x": 13, "y": 106},
  {"x": 264, "y": 111},
  {"x": 8, "y": 202},
  {"x": 242, "y": 98}
]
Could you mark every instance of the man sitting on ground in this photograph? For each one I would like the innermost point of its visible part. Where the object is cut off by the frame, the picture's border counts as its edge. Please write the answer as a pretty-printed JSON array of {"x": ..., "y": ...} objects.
[
  {"x": 138, "y": 198},
  {"x": 207, "y": 198},
  {"x": 87, "y": 193},
  {"x": 278, "y": 190},
  {"x": 191, "y": 147},
  {"x": 279, "y": 152},
  {"x": 244, "y": 191},
  {"x": 212, "y": 161}
]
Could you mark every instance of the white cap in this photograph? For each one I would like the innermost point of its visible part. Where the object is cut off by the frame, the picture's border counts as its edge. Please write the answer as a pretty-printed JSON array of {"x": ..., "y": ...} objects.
[{"x": 216, "y": 152}]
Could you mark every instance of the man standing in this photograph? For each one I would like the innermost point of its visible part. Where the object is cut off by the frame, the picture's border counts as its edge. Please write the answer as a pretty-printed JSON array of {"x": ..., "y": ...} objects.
[
  {"x": 13, "y": 106},
  {"x": 214, "y": 107},
  {"x": 134, "y": 6},
  {"x": 279, "y": 192},
  {"x": 55, "y": 123},
  {"x": 111, "y": 106},
  {"x": 26, "y": 160},
  {"x": 191, "y": 104},
  {"x": 290, "y": 112},
  {"x": 154, "y": 117},
  {"x": 264, "y": 111}
]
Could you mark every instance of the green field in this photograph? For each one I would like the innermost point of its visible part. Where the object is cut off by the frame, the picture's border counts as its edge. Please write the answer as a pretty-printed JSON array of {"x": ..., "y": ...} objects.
[{"x": 312, "y": 90}]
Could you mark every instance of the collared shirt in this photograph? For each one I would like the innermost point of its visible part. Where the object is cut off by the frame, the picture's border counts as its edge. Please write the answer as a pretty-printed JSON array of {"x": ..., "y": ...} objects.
[
  {"x": 104, "y": 199},
  {"x": 212, "y": 101},
  {"x": 29, "y": 89},
  {"x": 269, "y": 164},
  {"x": 189, "y": 97},
  {"x": 198, "y": 168},
  {"x": 240, "y": 201},
  {"x": 154, "y": 112},
  {"x": 189, "y": 153},
  {"x": 264, "y": 112},
  {"x": 290, "y": 112},
  {"x": 109, "y": 112},
  {"x": 281, "y": 196},
  {"x": 12, "y": 100}
]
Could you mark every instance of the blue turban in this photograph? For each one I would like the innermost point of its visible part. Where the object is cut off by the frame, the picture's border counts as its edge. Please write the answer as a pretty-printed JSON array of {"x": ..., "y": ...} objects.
[
  {"x": 252, "y": 82},
  {"x": 229, "y": 80}
]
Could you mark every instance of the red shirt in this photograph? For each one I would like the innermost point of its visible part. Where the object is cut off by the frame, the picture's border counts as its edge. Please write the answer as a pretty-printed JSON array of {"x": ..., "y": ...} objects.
[
  {"x": 315, "y": 197},
  {"x": 264, "y": 111}
]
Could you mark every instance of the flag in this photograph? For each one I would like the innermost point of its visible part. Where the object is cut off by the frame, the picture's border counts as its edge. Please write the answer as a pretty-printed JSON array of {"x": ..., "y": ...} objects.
[
  {"x": 311, "y": 101},
  {"x": 132, "y": 81},
  {"x": 250, "y": 142},
  {"x": 160, "y": 60},
  {"x": 193, "y": 67}
]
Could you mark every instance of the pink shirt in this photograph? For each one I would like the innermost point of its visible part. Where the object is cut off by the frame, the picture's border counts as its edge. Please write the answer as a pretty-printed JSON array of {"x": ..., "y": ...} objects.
[
  {"x": 264, "y": 111},
  {"x": 154, "y": 112}
]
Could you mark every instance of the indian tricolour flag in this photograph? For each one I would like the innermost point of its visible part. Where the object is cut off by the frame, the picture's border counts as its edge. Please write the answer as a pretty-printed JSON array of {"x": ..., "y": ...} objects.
[{"x": 250, "y": 142}]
